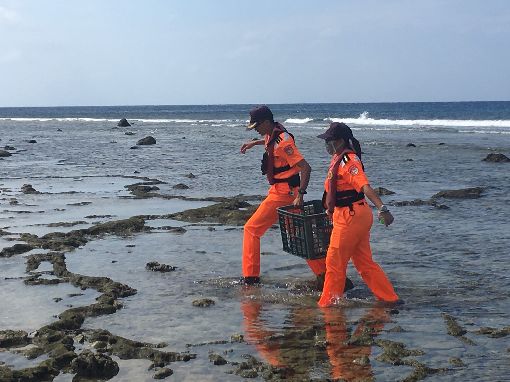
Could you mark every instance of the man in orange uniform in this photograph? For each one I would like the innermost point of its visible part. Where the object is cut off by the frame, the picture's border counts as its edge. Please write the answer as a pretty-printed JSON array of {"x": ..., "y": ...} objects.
[
  {"x": 282, "y": 164},
  {"x": 346, "y": 187}
]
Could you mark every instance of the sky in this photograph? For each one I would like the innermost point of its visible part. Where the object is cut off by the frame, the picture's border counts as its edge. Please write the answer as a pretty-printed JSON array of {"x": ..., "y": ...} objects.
[{"x": 110, "y": 52}]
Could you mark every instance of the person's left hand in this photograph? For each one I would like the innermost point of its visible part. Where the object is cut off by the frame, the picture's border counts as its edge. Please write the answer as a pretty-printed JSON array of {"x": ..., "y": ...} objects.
[
  {"x": 385, "y": 217},
  {"x": 298, "y": 202}
]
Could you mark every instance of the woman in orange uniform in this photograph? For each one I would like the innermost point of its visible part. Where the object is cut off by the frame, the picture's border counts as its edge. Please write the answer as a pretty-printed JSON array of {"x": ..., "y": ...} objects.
[{"x": 346, "y": 187}]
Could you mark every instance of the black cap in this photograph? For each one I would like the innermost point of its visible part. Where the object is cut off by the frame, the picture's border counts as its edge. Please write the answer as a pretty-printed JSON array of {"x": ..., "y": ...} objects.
[
  {"x": 258, "y": 115},
  {"x": 337, "y": 130}
]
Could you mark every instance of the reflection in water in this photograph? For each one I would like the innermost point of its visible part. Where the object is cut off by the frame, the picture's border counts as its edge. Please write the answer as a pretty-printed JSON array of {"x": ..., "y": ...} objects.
[
  {"x": 315, "y": 341},
  {"x": 348, "y": 353}
]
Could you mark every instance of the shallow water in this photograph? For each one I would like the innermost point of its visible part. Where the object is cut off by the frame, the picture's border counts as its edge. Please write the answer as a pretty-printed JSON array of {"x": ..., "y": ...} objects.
[{"x": 441, "y": 261}]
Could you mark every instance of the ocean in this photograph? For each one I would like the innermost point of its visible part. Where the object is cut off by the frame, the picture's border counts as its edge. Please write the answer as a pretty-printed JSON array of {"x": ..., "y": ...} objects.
[{"x": 443, "y": 262}]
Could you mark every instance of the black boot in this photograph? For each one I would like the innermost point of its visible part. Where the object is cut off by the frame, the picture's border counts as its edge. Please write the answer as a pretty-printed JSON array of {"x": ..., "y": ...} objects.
[
  {"x": 251, "y": 280},
  {"x": 320, "y": 282},
  {"x": 348, "y": 284}
]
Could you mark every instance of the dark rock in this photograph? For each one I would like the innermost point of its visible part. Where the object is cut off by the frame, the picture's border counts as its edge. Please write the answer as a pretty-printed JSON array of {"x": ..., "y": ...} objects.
[
  {"x": 43, "y": 372},
  {"x": 180, "y": 186},
  {"x": 91, "y": 365},
  {"x": 32, "y": 141},
  {"x": 457, "y": 362},
  {"x": 217, "y": 359},
  {"x": 157, "y": 267},
  {"x": 163, "y": 373},
  {"x": 79, "y": 204},
  {"x": 393, "y": 352},
  {"x": 203, "y": 303},
  {"x": 441, "y": 143},
  {"x": 383, "y": 191},
  {"x": 123, "y": 123},
  {"x": 495, "y": 333},
  {"x": 28, "y": 189},
  {"x": 141, "y": 188},
  {"x": 410, "y": 145},
  {"x": 118, "y": 227},
  {"x": 180, "y": 230},
  {"x": 16, "y": 249},
  {"x": 10, "y": 338},
  {"x": 129, "y": 133},
  {"x": 190, "y": 175},
  {"x": 4, "y": 154},
  {"x": 231, "y": 212},
  {"x": 67, "y": 224},
  {"x": 9, "y": 148},
  {"x": 134, "y": 148},
  {"x": 496, "y": 157},
  {"x": 239, "y": 338},
  {"x": 146, "y": 141},
  {"x": 465, "y": 193},
  {"x": 59, "y": 129},
  {"x": 453, "y": 328}
]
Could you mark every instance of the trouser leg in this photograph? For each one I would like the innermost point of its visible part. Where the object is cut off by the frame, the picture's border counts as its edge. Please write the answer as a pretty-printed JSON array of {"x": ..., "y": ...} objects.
[
  {"x": 263, "y": 218},
  {"x": 371, "y": 272},
  {"x": 336, "y": 263}
]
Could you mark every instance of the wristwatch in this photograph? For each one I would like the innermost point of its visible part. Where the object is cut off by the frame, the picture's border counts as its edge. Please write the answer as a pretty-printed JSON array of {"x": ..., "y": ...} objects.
[
  {"x": 301, "y": 191},
  {"x": 384, "y": 209}
]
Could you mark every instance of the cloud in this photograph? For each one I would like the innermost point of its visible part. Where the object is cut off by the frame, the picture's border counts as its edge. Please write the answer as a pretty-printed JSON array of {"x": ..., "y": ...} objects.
[{"x": 8, "y": 15}]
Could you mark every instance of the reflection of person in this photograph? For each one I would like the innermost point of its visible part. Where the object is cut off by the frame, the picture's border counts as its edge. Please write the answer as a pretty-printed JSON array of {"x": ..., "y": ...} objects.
[
  {"x": 294, "y": 346},
  {"x": 344, "y": 352},
  {"x": 346, "y": 187},
  {"x": 257, "y": 335},
  {"x": 282, "y": 164}
]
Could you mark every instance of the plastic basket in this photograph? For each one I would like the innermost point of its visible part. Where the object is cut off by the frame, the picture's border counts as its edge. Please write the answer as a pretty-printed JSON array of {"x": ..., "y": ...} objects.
[{"x": 305, "y": 231}]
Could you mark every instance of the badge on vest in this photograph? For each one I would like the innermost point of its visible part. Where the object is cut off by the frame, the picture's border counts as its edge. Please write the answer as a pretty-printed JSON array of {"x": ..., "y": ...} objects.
[
  {"x": 353, "y": 170},
  {"x": 289, "y": 150}
]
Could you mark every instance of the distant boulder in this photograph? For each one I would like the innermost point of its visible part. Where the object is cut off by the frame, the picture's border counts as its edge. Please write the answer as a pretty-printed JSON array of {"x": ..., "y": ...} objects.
[
  {"x": 496, "y": 157},
  {"x": 4, "y": 154},
  {"x": 146, "y": 141},
  {"x": 28, "y": 189},
  {"x": 465, "y": 193},
  {"x": 32, "y": 141},
  {"x": 410, "y": 145},
  {"x": 9, "y": 148},
  {"x": 180, "y": 186},
  {"x": 383, "y": 191},
  {"x": 123, "y": 123}
]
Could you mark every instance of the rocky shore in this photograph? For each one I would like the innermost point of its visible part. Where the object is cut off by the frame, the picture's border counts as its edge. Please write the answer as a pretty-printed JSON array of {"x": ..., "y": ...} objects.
[{"x": 89, "y": 354}]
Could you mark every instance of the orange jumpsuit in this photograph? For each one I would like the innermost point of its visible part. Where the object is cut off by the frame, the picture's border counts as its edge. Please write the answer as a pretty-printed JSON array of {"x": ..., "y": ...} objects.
[
  {"x": 279, "y": 195},
  {"x": 350, "y": 238}
]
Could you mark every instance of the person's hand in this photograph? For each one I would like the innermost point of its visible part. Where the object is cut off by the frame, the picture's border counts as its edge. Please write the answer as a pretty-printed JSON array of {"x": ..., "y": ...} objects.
[
  {"x": 298, "y": 202},
  {"x": 329, "y": 213},
  {"x": 385, "y": 217},
  {"x": 246, "y": 146}
]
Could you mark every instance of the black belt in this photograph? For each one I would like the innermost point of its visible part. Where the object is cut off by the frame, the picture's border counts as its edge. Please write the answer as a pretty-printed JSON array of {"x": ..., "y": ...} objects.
[
  {"x": 347, "y": 198},
  {"x": 293, "y": 181}
]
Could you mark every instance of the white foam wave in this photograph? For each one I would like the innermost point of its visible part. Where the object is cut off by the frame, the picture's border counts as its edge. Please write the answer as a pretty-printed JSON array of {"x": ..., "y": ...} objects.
[
  {"x": 365, "y": 120},
  {"x": 298, "y": 120}
]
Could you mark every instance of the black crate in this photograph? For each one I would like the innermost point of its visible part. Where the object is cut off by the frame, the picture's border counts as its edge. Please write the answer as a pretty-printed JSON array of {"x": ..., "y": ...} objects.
[{"x": 305, "y": 231}]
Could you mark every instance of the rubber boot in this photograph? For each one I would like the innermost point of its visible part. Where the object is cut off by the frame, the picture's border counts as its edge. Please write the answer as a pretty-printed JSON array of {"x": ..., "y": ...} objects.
[{"x": 320, "y": 283}]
